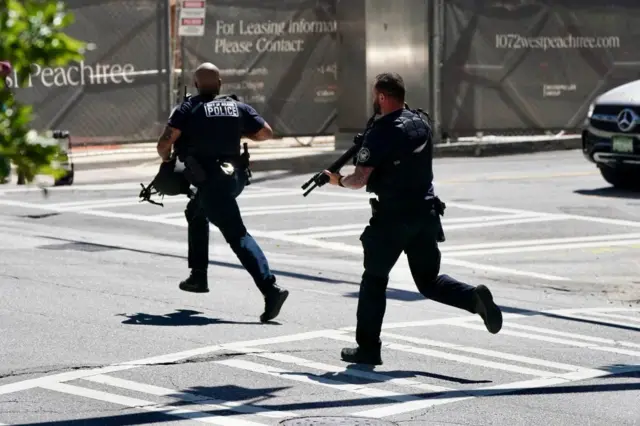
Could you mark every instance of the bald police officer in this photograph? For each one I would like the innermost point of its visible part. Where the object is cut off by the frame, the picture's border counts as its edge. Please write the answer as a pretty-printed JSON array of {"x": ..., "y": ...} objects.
[
  {"x": 210, "y": 129},
  {"x": 395, "y": 163}
]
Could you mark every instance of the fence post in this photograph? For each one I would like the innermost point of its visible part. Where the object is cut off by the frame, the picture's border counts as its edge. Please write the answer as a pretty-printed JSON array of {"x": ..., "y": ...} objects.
[{"x": 435, "y": 65}]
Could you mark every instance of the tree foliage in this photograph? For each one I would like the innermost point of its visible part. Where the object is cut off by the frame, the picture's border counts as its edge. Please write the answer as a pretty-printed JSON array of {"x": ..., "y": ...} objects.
[{"x": 31, "y": 33}]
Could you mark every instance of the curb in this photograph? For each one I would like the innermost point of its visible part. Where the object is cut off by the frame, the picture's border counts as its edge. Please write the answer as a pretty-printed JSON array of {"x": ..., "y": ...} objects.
[{"x": 318, "y": 160}]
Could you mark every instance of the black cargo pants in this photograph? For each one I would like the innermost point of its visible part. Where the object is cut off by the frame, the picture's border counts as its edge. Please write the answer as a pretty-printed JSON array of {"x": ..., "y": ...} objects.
[
  {"x": 215, "y": 202},
  {"x": 392, "y": 230}
]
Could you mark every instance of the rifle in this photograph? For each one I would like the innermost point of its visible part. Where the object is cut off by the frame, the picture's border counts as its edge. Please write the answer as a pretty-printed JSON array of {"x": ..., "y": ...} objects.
[{"x": 320, "y": 179}]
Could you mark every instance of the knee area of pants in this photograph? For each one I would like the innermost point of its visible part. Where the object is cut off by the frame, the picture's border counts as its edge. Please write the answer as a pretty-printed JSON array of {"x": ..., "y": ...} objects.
[
  {"x": 234, "y": 239},
  {"x": 374, "y": 278},
  {"x": 373, "y": 285}
]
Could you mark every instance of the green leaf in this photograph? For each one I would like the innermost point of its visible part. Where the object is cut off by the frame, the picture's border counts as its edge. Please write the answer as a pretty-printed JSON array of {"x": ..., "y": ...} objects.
[{"x": 32, "y": 33}]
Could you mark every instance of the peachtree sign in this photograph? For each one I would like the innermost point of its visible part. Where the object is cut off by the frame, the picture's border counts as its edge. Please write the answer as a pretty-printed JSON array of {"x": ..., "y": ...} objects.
[{"x": 80, "y": 74}]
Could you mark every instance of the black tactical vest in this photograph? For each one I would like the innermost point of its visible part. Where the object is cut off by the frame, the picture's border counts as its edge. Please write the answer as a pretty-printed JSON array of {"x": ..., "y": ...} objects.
[
  {"x": 214, "y": 128},
  {"x": 407, "y": 173}
]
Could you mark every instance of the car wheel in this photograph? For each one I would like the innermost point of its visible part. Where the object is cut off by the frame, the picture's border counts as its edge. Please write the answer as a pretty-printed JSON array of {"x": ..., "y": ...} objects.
[{"x": 620, "y": 178}]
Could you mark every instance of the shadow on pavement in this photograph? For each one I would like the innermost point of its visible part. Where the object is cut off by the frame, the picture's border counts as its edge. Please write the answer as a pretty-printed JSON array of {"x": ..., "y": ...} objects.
[
  {"x": 392, "y": 294},
  {"x": 609, "y": 192},
  {"x": 254, "y": 397},
  {"x": 179, "y": 318},
  {"x": 603, "y": 322},
  {"x": 101, "y": 247}
]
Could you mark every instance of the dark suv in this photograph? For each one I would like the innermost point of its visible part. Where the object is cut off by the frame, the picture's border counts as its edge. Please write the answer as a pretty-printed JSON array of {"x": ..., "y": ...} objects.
[{"x": 611, "y": 138}]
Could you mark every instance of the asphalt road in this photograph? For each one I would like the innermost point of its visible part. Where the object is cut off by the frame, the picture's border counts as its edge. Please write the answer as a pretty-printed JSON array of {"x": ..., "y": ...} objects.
[{"x": 95, "y": 331}]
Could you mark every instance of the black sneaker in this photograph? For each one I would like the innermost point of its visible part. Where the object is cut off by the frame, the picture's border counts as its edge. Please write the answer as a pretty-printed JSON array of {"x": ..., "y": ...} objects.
[
  {"x": 196, "y": 283},
  {"x": 273, "y": 302},
  {"x": 487, "y": 309},
  {"x": 361, "y": 356}
]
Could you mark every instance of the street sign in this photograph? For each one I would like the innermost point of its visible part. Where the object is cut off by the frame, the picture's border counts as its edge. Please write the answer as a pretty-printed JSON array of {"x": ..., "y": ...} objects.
[{"x": 192, "y": 18}]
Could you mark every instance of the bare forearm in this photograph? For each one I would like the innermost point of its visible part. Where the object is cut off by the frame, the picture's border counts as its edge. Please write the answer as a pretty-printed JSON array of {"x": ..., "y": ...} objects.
[
  {"x": 165, "y": 142},
  {"x": 164, "y": 150},
  {"x": 354, "y": 181}
]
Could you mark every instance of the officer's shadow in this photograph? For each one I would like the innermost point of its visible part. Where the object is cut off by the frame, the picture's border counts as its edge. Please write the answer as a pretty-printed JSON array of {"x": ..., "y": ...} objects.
[
  {"x": 355, "y": 371},
  {"x": 179, "y": 318}
]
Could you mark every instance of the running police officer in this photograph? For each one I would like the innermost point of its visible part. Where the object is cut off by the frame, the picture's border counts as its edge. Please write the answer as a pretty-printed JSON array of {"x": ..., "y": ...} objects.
[
  {"x": 210, "y": 128},
  {"x": 395, "y": 163}
]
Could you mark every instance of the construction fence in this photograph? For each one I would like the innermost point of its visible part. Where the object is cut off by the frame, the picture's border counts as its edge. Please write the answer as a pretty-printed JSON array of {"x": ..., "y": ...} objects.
[{"x": 504, "y": 65}]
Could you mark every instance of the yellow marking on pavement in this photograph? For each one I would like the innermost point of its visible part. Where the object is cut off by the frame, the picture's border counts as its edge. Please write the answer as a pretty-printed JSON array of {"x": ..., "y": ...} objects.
[{"x": 600, "y": 250}]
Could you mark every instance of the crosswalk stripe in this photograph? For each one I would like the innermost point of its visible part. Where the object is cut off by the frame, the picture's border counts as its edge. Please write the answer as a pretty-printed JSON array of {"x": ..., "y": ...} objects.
[
  {"x": 289, "y": 359},
  {"x": 209, "y": 403},
  {"x": 462, "y": 395},
  {"x": 620, "y": 323},
  {"x": 447, "y": 226},
  {"x": 487, "y": 352},
  {"x": 601, "y": 314},
  {"x": 571, "y": 335},
  {"x": 148, "y": 405},
  {"x": 458, "y": 358},
  {"x": 316, "y": 380},
  {"x": 591, "y": 346}
]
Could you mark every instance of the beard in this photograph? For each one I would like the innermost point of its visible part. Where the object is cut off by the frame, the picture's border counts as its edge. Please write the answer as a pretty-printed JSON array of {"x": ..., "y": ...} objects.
[{"x": 376, "y": 107}]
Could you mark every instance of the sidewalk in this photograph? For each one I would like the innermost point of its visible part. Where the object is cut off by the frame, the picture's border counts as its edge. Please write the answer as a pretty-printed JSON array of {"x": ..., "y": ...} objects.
[{"x": 309, "y": 153}]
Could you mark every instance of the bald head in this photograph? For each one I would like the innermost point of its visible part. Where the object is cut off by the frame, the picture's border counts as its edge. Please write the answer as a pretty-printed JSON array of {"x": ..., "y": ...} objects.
[{"x": 207, "y": 79}]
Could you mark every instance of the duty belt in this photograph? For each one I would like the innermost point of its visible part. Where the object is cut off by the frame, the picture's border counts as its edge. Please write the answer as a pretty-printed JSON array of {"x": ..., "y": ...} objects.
[{"x": 397, "y": 205}]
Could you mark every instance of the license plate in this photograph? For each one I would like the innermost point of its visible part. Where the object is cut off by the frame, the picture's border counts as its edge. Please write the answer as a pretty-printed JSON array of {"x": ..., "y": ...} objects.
[{"x": 623, "y": 145}]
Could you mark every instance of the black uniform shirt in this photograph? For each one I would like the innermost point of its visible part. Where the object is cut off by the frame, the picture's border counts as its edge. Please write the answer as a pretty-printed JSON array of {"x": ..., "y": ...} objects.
[
  {"x": 215, "y": 126},
  {"x": 399, "y": 148}
]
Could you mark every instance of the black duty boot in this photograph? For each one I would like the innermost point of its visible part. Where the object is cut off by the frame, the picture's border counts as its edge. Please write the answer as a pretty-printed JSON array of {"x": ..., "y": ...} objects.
[
  {"x": 487, "y": 309},
  {"x": 361, "y": 356},
  {"x": 273, "y": 300},
  {"x": 196, "y": 283}
]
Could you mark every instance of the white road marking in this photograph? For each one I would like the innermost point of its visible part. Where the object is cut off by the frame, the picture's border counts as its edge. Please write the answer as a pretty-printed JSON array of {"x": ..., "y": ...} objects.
[
  {"x": 596, "y": 219},
  {"x": 535, "y": 249},
  {"x": 148, "y": 405},
  {"x": 486, "y": 352},
  {"x": 288, "y": 238},
  {"x": 501, "y": 270},
  {"x": 539, "y": 242},
  {"x": 207, "y": 402},
  {"x": 60, "y": 377},
  {"x": 612, "y": 322},
  {"x": 448, "y": 228},
  {"x": 134, "y": 201},
  {"x": 505, "y": 316},
  {"x": 628, "y": 318},
  {"x": 174, "y": 357},
  {"x": 121, "y": 186},
  {"x": 289, "y": 359},
  {"x": 462, "y": 395},
  {"x": 457, "y": 358},
  {"x": 575, "y": 343},
  {"x": 572, "y": 335},
  {"x": 316, "y": 380},
  {"x": 360, "y": 226},
  {"x": 297, "y": 208}
]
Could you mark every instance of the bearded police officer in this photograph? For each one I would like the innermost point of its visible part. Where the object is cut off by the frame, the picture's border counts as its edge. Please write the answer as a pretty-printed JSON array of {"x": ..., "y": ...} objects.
[
  {"x": 395, "y": 163},
  {"x": 210, "y": 128}
]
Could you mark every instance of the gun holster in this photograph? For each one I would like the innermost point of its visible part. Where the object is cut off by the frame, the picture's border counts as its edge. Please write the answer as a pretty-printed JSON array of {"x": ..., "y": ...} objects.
[{"x": 439, "y": 207}]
